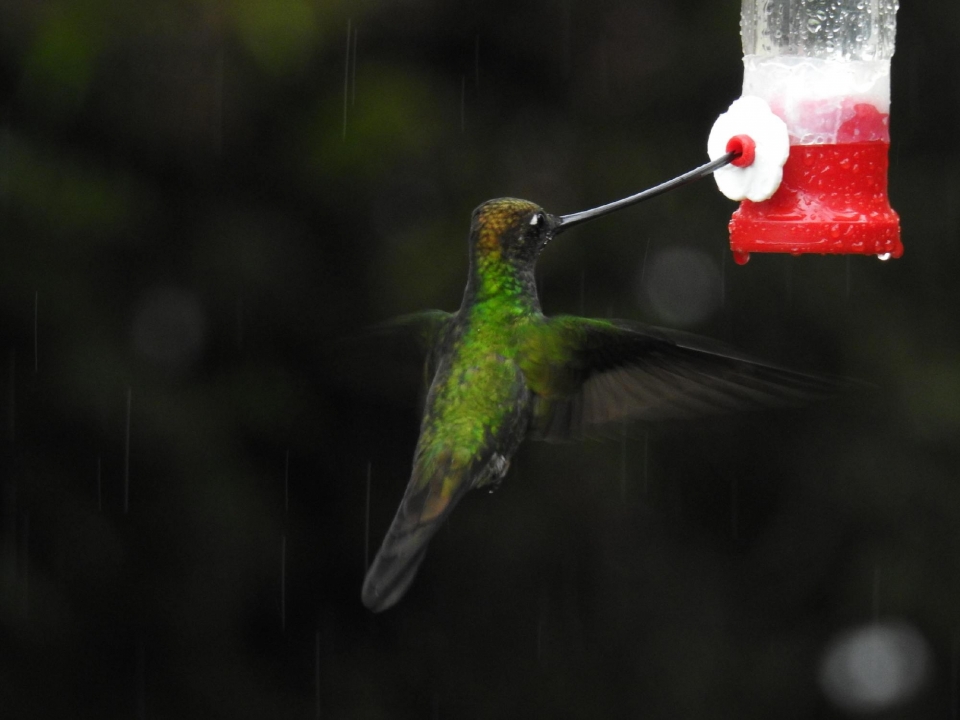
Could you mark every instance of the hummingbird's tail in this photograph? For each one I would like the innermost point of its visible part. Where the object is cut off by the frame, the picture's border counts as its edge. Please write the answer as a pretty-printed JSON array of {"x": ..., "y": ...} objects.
[
  {"x": 430, "y": 496},
  {"x": 390, "y": 575}
]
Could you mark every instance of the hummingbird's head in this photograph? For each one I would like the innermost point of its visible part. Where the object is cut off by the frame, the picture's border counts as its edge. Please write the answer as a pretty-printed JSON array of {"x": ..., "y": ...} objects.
[
  {"x": 511, "y": 230},
  {"x": 516, "y": 231}
]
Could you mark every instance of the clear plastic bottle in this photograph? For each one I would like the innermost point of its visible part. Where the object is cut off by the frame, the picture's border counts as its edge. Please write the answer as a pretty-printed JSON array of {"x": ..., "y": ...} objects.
[
  {"x": 859, "y": 30},
  {"x": 814, "y": 61}
]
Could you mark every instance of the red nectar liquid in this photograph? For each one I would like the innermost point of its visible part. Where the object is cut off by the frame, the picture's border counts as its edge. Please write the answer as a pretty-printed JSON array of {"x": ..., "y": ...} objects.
[{"x": 833, "y": 199}]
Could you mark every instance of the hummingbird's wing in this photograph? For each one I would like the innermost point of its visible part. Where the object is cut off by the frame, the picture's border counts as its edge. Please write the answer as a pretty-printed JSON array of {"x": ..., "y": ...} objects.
[
  {"x": 392, "y": 354},
  {"x": 426, "y": 328},
  {"x": 587, "y": 372}
]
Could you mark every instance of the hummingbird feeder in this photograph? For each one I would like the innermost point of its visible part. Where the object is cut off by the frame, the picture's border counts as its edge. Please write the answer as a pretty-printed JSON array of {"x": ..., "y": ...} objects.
[{"x": 811, "y": 131}]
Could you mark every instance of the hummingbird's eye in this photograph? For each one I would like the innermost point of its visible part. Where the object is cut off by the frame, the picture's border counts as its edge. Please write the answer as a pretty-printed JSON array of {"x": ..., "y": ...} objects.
[{"x": 538, "y": 220}]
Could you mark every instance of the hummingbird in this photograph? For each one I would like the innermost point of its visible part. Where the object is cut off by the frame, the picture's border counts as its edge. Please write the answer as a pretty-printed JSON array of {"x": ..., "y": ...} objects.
[{"x": 499, "y": 370}]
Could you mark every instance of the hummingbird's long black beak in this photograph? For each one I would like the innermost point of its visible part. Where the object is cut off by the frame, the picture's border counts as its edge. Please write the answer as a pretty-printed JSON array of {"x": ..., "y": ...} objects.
[{"x": 568, "y": 221}]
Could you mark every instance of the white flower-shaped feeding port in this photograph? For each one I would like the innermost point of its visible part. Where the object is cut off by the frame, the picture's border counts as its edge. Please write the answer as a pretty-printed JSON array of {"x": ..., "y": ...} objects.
[{"x": 750, "y": 127}]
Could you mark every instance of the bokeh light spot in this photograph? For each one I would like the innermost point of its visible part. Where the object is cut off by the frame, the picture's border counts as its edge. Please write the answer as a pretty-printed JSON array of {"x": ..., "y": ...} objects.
[
  {"x": 873, "y": 667},
  {"x": 683, "y": 285}
]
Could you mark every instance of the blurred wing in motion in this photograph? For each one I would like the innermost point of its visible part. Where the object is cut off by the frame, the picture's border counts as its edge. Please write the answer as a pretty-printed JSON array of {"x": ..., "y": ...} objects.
[
  {"x": 589, "y": 372},
  {"x": 386, "y": 358},
  {"x": 426, "y": 329}
]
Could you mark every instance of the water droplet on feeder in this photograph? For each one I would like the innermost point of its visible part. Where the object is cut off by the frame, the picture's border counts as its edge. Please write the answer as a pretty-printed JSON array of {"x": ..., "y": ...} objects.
[
  {"x": 741, "y": 258},
  {"x": 883, "y": 257}
]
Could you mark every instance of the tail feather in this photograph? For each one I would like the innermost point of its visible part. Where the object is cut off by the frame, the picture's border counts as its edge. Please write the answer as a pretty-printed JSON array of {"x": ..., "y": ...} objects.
[
  {"x": 429, "y": 498},
  {"x": 390, "y": 576}
]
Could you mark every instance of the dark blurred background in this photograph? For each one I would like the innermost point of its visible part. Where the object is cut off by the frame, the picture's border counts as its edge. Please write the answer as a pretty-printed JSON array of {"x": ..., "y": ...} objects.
[{"x": 201, "y": 203}]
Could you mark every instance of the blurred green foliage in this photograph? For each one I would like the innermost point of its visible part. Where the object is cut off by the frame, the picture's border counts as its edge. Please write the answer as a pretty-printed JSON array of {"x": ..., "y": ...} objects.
[{"x": 203, "y": 203}]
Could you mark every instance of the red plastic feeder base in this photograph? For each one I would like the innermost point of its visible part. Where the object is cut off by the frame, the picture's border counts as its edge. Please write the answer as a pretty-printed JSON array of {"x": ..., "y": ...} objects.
[{"x": 833, "y": 199}]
